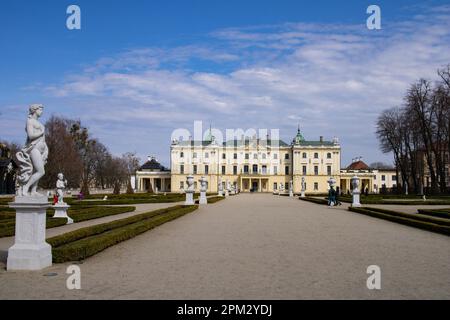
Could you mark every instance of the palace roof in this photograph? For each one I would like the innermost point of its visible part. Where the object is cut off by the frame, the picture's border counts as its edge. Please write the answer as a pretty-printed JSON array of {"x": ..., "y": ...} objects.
[{"x": 153, "y": 165}]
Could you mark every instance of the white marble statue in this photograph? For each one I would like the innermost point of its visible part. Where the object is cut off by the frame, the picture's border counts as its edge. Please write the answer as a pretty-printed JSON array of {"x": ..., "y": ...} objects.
[
  {"x": 203, "y": 187},
  {"x": 189, "y": 191},
  {"x": 303, "y": 187},
  {"x": 61, "y": 185},
  {"x": 220, "y": 187},
  {"x": 355, "y": 192},
  {"x": 281, "y": 188},
  {"x": 33, "y": 156},
  {"x": 291, "y": 189}
]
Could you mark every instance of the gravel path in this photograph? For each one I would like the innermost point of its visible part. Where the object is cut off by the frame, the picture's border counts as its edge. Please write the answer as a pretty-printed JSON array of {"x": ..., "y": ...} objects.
[{"x": 256, "y": 246}]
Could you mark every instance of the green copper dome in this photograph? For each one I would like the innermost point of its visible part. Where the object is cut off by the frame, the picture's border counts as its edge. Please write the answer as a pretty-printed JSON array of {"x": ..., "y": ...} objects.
[{"x": 299, "y": 137}]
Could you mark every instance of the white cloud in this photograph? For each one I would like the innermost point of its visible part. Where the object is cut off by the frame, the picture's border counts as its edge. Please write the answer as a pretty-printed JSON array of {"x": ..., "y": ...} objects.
[{"x": 335, "y": 79}]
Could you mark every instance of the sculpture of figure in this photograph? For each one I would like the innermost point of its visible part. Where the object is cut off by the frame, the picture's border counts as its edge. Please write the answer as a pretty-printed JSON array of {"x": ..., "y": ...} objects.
[
  {"x": 33, "y": 156},
  {"x": 61, "y": 184},
  {"x": 303, "y": 183}
]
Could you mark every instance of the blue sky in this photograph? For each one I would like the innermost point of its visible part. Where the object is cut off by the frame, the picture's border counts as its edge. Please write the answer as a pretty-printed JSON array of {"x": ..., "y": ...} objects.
[{"x": 137, "y": 70}]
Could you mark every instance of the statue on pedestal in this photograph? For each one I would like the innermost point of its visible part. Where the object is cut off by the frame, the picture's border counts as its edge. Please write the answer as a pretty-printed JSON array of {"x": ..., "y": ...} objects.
[
  {"x": 303, "y": 187},
  {"x": 189, "y": 191},
  {"x": 30, "y": 251},
  {"x": 203, "y": 188},
  {"x": 61, "y": 185}
]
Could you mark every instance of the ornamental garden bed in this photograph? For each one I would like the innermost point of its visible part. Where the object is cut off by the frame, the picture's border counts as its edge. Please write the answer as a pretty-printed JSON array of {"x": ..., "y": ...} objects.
[
  {"x": 82, "y": 243},
  {"x": 434, "y": 224},
  {"x": 441, "y": 213},
  {"x": 77, "y": 213}
]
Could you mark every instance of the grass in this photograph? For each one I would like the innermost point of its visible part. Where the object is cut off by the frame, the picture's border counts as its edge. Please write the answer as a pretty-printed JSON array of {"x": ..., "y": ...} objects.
[
  {"x": 424, "y": 222},
  {"x": 77, "y": 213},
  {"x": 82, "y": 243}
]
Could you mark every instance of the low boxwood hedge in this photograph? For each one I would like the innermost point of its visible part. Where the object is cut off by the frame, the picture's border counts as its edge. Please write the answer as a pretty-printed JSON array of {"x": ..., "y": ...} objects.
[
  {"x": 441, "y": 213},
  {"x": 82, "y": 243},
  {"x": 402, "y": 218}
]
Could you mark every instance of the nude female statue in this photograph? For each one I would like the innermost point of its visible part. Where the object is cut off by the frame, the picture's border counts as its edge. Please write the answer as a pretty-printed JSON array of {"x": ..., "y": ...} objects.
[{"x": 33, "y": 156}]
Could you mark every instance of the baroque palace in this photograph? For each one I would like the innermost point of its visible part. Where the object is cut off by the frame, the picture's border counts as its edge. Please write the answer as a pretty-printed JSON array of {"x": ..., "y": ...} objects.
[{"x": 259, "y": 165}]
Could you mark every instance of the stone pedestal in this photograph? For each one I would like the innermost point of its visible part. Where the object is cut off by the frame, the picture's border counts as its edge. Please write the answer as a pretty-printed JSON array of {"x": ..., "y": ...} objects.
[
  {"x": 291, "y": 194},
  {"x": 189, "y": 198},
  {"x": 302, "y": 195},
  {"x": 227, "y": 193},
  {"x": 30, "y": 251},
  {"x": 61, "y": 211},
  {"x": 202, "y": 199},
  {"x": 356, "y": 202}
]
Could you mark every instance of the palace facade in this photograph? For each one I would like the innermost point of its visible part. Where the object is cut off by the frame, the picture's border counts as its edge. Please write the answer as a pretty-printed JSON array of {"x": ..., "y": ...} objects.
[{"x": 259, "y": 165}]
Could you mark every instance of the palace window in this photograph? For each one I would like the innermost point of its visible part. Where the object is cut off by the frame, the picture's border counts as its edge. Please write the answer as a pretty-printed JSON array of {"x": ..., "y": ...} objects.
[
  {"x": 195, "y": 169},
  {"x": 316, "y": 170},
  {"x": 264, "y": 169},
  {"x": 181, "y": 154},
  {"x": 234, "y": 170},
  {"x": 255, "y": 156},
  {"x": 275, "y": 156},
  {"x": 329, "y": 170},
  {"x": 223, "y": 169},
  {"x": 316, "y": 186},
  {"x": 383, "y": 177},
  {"x": 246, "y": 169},
  {"x": 206, "y": 155},
  {"x": 394, "y": 178},
  {"x": 255, "y": 168},
  {"x": 286, "y": 186},
  {"x": 235, "y": 156},
  {"x": 181, "y": 184},
  {"x": 224, "y": 156},
  {"x": 194, "y": 155},
  {"x": 304, "y": 155},
  {"x": 246, "y": 156},
  {"x": 304, "y": 170},
  {"x": 274, "y": 186},
  {"x": 181, "y": 168},
  {"x": 316, "y": 155},
  {"x": 329, "y": 155},
  {"x": 286, "y": 170},
  {"x": 195, "y": 184},
  {"x": 286, "y": 156},
  {"x": 206, "y": 169},
  {"x": 264, "y": 156},
  {"x": 275, "y": 170}
]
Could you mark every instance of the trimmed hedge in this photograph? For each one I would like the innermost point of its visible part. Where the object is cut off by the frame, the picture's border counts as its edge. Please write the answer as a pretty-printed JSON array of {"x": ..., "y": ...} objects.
[
  {"x": 403, "y": 218},
  {"x": 80, "y": 244},
  {"x": 379, "y": 200},
  {"x": 441, "y": 213},
  {"x": 8, "y": 227}
]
